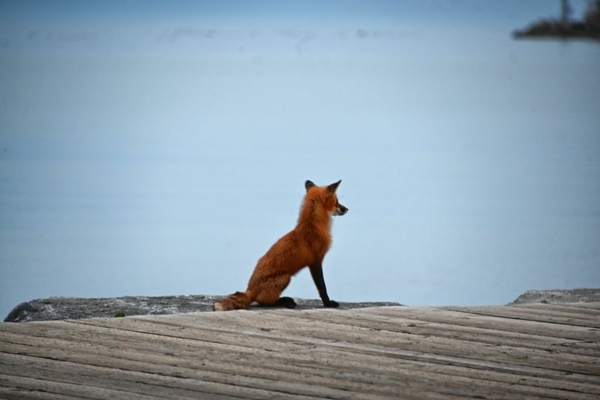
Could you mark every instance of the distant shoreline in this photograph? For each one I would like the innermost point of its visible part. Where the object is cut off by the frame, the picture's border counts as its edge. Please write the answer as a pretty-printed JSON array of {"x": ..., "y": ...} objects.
[{"x": 557, "y": 29}]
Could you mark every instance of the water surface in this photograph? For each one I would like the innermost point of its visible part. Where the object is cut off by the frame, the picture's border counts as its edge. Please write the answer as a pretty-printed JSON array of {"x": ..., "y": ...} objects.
[{"x": 155, "y": 156}]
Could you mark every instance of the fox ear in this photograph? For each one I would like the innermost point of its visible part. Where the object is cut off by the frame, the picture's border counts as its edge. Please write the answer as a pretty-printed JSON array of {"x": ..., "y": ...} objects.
[
  {"x": 308, "y": 185},
  {"x": 333, "y": 187}
]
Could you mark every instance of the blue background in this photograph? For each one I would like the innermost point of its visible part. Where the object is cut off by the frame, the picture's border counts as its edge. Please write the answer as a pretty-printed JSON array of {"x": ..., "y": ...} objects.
[{"x": 154, "y": 148}]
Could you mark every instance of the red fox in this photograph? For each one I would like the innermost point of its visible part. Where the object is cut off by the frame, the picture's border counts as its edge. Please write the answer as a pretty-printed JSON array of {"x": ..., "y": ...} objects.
[{"x": 305, "y": 246}]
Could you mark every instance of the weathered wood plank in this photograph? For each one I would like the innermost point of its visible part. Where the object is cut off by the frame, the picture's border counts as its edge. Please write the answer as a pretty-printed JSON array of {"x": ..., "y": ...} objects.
[
  {"x": 425, "y": 329},
  {"x": 452, "y": 347},
  {"x": 370, "y": 353},
  {"x": 118, "y": 353},
  {"x": 583, "y": 309},
  {"x": 275, "y": 343},
  {"x": 450, "y": 384},
  {"x": 28, "y": 388},
  {"x": 593, "y": 305},
  {"x": 178, "y": 329},
  {"x": 177, "y": 355},
  {"x": 235, "y": 379},
  {"x": 123, "y": 378},
  {"x": 228, "y": 368},
  {"x": 464, "y": 318},
  {"x": 534, "y": 314}
]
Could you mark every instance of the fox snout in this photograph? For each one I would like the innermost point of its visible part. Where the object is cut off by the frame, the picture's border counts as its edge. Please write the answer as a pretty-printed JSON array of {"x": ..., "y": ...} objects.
[{"x": 340, "y": 209}]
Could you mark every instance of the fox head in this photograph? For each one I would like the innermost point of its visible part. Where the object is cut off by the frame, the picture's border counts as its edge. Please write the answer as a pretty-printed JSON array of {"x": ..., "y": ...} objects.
[{"x": 327, "y": 196}]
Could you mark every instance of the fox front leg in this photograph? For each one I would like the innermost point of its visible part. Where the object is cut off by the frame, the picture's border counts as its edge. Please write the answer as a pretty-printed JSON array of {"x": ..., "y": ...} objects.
[{"x": 316, "y": 271}]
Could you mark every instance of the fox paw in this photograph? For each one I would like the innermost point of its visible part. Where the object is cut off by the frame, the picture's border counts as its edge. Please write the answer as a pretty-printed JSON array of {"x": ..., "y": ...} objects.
[
  {"x": 331, "y": 304},
  {"x": 286, "y": 302}
]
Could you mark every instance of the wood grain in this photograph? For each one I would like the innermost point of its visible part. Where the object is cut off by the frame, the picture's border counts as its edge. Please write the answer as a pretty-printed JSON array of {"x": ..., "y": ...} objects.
[{"x": 519, "y": 351}]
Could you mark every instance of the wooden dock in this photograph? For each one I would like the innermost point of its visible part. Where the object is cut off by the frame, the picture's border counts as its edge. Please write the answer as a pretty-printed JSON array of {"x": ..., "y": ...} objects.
[{"x": 512, "y": 352}]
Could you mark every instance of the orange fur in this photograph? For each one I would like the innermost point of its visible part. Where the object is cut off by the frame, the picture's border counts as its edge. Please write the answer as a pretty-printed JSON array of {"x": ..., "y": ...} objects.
[{"x": 305, "y": 246}]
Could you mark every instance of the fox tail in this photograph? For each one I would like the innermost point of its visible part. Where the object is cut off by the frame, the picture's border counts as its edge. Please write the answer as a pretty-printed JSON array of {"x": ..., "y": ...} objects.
[{"x": 236, "y": 301}]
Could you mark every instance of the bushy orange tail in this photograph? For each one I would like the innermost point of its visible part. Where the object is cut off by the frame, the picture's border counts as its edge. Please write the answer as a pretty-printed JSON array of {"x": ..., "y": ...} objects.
[{"x": 236, "y": 301}]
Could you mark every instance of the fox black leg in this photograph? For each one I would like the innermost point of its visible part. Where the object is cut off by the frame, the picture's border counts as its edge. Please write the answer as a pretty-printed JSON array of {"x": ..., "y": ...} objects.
[{"x": 316, "y": 271}]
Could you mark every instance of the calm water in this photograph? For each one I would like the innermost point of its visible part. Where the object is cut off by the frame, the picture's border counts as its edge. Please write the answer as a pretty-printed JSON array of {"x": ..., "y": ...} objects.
[{"x": 166, "y": 158}]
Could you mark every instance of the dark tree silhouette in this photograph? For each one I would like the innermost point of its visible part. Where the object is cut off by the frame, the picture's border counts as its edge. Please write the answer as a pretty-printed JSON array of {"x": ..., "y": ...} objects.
[
  {"x": 565, "y": 11},
  {"x": 592, "y": 14},
  {"x": 565, "y": 27}
]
